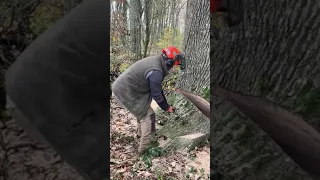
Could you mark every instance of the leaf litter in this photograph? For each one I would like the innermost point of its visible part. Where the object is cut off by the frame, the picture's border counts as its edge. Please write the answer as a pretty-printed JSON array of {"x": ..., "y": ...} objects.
[{"x": 125, "y": 164}]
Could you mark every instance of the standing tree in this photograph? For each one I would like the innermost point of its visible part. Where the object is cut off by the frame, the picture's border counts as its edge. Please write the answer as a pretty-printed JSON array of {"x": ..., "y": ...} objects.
[
  {"x": 195, "y": 77},
  {"x": 135, "y": 26},
  {"x": 147, "y": 18},
  {"x": 125, "y": 19},
  {"x": 274, "y": 55}
]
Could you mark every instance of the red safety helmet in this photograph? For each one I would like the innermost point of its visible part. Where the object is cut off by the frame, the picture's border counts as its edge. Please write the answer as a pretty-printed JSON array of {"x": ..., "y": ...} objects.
[{"x": 173, "y": 54}]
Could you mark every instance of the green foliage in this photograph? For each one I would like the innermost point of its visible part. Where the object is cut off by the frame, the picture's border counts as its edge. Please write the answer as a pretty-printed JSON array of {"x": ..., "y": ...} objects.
[
  {"x": 150, "y": 153},
  {"x": 43, "y": 17},
  {"x": 206, "y": 93},
  {"x": 169, "y": 83},
  {"x": 192, "y": 170},
  {"x": 123, "y": 66},
  {"x": 170, "y": 36},
  {"x": 193, "y": 157},
  {"x": 147, "y": 161},
  {"x": 159, "y": 175},
  {"x": 121, "y": 62},
  {"x": 202, "y": 170}
]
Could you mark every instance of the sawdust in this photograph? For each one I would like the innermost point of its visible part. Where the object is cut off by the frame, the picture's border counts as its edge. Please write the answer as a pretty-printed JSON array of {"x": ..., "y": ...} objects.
[{"x": 192, "y": 136}]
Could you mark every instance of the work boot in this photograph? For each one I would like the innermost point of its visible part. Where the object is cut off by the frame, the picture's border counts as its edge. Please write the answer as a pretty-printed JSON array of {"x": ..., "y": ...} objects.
[
  {"x": 145, "y": 143},
  {"x": 153, "y": 143}
]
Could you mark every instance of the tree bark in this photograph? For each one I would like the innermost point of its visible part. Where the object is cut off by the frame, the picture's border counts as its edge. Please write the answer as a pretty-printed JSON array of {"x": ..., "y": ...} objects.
[
  {"x": 195, "y": 78},
  {"x": 125, "y": 20},
  {"x": 135, "y": 27},
  {"x": 196, "y": 47},
  {"x": 147, "y": 17},
  {"x": 273, "y": 54}
]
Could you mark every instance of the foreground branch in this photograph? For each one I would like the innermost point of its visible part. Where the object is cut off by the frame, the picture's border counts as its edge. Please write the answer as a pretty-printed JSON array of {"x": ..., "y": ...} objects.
[
  {"x": 296, "y": 137},
  {"x": 198, "y": 101}
]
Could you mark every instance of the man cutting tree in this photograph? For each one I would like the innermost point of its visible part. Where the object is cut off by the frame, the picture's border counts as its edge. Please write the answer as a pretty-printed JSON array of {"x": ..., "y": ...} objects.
[{"x": 140, "y": 83}]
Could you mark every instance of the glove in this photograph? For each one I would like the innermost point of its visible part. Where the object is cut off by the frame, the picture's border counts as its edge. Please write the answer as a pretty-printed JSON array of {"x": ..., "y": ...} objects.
[{"x": 171, "y": 109}]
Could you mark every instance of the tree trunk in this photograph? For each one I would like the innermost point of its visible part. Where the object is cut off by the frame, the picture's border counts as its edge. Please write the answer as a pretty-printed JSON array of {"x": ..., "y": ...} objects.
[
  {"x": 196, "y": 47},
  {"x": 161, "y": 17},
  {"x": 174, "y": 12},
  {"x": 147, "y": 17},
  {"x": 195, "y": 77},
  {"x": 153, "y": 31},
  {"x": 135, "y": 27},
  {"x": 125, "y": 20},
  {"x": 274, "y": 55}
]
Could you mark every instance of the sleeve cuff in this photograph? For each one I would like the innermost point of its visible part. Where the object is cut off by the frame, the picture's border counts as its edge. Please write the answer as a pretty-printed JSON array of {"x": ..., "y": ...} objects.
[{"x": 164, "y": 105}]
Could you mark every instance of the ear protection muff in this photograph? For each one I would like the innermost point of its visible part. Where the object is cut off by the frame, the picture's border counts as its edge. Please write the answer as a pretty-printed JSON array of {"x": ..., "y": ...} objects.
[{"x": 170, "y": 62}]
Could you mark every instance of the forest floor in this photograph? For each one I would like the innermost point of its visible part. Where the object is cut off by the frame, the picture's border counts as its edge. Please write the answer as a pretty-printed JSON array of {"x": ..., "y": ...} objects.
[
  {"x": 23, "y": 158},
  {"x": 126, "y": 164}
]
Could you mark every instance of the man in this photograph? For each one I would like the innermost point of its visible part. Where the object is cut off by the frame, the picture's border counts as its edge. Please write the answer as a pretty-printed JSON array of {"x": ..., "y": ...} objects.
[
  {"x": 58, "y": 88},
  {"x": 140, "y": 83}
]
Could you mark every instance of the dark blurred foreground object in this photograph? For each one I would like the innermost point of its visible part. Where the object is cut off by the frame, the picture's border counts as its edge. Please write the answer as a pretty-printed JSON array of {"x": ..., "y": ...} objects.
[
  {"x": 60, "y": 85},
  {"x": 233, "y": 10},
  {"x": 297, "y": 138}
]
